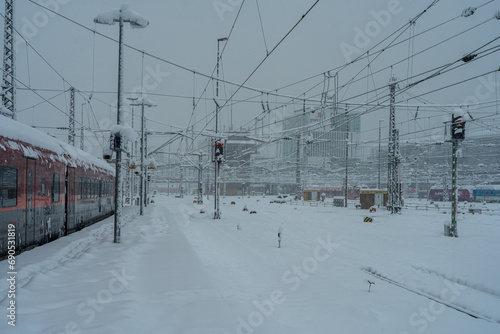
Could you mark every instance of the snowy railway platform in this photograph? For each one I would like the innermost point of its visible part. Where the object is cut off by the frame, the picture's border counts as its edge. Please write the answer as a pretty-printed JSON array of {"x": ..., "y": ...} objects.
[{"x": 179, "y": 271}]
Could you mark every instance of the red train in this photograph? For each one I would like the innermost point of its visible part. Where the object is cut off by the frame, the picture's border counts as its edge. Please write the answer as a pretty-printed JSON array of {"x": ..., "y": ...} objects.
[{"x": 48, "y": 188}]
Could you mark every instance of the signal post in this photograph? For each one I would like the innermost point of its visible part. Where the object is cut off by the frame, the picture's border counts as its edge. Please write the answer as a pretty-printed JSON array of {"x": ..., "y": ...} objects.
[
  {"x": 218, "y": 158},
  {"x": 457, "y": 135}
]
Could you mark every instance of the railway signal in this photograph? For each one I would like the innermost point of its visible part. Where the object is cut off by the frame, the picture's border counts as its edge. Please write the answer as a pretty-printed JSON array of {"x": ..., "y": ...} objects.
[
  {"x": 219, "y": 151},
  {"x": 118, "y": 143},
  {"x": 457, "y": 128}
]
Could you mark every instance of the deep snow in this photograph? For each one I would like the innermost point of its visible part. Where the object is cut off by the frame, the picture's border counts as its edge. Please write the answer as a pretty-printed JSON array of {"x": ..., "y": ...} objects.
[{"x": 179, "y": 271}]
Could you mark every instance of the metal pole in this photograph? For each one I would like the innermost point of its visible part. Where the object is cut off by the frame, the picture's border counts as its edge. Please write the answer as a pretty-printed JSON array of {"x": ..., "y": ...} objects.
[
  {"x": 82, "y": 133},
  {"x": 297, "y": 168},
  {"x": 136, "y": 22},
  {"x": 132, "y": 178},
  {"x": 132, "y": 154},
  {"x": 119, "y": 179},
  {"x": 379, "y": 151},
  {"x": 454, "y": 197},
  {"x": 146, "y": 183},
  {"x": 143, "y": 142},
  {"x": 217, "y": 194},
  {"x": 9, "y": 70},
  {"x": 346, "y": 157},
  {"x": 393, "y": 186},
  {"x": 182, "y": 182},
  {"x": 217, "y": 163},
  {"x": 200, "y": 179},
  {"x": 71, "y": 134},
  {"x": 168, "y": 175}
]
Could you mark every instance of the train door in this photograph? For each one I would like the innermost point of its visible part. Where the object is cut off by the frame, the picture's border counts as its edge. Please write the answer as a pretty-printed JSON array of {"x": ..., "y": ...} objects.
[
  {"x": 69, "y": 223},
  {"x": 29, "y": 237}
]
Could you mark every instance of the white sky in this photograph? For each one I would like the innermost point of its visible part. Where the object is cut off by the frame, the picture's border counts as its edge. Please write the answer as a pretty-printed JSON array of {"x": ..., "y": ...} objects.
[{"x": 186, "y": 33}]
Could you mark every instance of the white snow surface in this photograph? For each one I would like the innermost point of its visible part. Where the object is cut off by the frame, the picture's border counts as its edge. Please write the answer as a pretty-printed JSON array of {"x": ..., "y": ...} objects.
[
  {"x": 21, "y": 132},
  {"x": 179, "y": 271},
  {"x": 112, "y": 16},
  {"x": 144, "y": 100},
  {"x": 124, "y": 130}
]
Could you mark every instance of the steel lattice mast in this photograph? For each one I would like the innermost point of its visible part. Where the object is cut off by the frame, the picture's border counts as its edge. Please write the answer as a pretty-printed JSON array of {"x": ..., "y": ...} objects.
[
  {"x": 71, "y": 134},
  {"x": 8, "y": 85},
  {"x": 393, "y": 185}
]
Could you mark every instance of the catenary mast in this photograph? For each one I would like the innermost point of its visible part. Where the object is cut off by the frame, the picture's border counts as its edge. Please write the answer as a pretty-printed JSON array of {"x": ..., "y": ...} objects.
[{"x": 8, "y": 85}]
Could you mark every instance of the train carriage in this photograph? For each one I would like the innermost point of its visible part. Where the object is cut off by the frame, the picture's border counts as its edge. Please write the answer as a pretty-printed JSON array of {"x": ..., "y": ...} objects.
[
  {"x": 48, "y": 188},
  {"x": 487, "y": 193},
  {"x": 437, "y": 194}
]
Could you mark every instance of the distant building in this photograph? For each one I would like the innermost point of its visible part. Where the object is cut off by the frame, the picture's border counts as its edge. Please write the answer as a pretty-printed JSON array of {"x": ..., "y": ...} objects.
[{"x": 323, "y": 140}]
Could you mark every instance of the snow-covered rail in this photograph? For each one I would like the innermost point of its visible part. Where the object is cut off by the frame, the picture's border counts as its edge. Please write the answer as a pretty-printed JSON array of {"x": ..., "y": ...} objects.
[{"x": 471, "y": 313}]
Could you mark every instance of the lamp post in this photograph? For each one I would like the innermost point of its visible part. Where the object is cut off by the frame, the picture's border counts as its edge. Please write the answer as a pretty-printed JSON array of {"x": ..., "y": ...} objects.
[
  {"x": 122, "y": 15},
  {"x": 132, "y": 155},
  {"x": 217, "y": 108},
  {"x": 148, "y": 103}
]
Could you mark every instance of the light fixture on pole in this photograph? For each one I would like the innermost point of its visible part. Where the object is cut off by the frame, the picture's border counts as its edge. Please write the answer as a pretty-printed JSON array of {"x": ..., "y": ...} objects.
[
  {"x": 143, "y": 102},
  {"x": 122, "y": 15}
]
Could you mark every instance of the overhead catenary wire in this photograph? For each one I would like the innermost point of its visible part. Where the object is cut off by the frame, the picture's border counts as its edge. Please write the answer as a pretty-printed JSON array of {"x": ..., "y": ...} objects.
[
  {"x": 127, "y": 45},
  {"x": 211, "y": 76},
  {"x": 267, "y": 56},
  {"x": 262, "y": 27},
  {"x": 433, "y": 45},
  {"x": 307, "y": 98}
]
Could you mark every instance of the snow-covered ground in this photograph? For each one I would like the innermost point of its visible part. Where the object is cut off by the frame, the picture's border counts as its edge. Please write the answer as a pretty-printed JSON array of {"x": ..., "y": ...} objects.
[{"x": 179, "y": 271}]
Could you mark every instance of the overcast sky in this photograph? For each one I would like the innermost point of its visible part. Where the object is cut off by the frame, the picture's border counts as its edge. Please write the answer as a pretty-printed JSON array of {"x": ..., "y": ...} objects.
[{"x": 186, "y": 33}]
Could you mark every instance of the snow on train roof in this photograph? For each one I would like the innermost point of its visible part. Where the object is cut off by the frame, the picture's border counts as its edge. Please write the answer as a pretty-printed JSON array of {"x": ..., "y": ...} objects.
[{"x": 21, "y": 132}]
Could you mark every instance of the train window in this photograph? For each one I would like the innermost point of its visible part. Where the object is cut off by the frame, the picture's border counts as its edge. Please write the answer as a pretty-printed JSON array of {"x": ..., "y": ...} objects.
[
  {"x": 79, "y": 192},
  {"x": 55, "y": 188},
  {"x": 43, "y": 191},
  {"x": 43, "y": 188},
  {"x": 83, "y": 188},
  {"x": 8, "y": 187},
  {"x": 87, "y": 188}
]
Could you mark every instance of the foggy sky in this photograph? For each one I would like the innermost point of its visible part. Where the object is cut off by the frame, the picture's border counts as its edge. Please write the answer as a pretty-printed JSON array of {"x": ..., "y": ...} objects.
[{"x": 186, "y": 33}]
